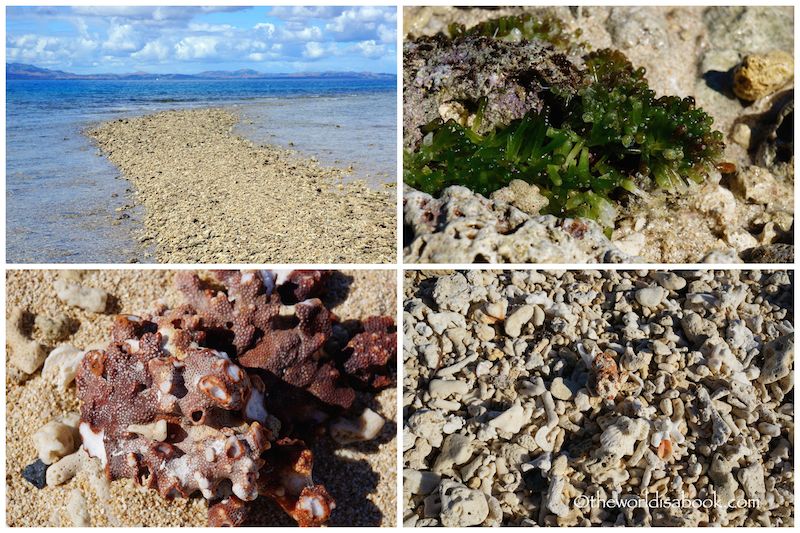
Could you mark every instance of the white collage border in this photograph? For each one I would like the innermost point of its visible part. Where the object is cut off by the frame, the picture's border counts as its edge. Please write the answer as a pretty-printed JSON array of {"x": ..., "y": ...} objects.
[{"x": 400, "y": 266}]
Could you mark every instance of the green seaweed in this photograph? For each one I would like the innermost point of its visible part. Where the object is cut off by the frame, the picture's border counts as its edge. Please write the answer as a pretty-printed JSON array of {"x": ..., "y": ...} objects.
[
  {"x": 520, "y": 27},
  {"x": 586, "y": 153}
]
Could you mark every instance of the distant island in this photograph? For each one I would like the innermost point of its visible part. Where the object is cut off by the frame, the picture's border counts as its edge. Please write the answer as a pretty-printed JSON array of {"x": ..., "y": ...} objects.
[{"x": 21, "y": 71}]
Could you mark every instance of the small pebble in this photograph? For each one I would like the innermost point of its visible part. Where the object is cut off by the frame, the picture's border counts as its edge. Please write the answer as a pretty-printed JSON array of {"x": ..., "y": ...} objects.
[{"x": 36, "y": 474}]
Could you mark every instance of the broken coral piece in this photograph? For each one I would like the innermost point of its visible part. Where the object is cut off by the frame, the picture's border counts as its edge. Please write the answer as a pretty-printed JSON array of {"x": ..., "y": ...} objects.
[
  {"x": 25, "y": 353},
  {"x": 187, "y": 400},
  {"x": 372, "y": 352}
]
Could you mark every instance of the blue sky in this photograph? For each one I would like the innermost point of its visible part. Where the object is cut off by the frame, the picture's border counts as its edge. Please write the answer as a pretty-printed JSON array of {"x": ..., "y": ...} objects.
[{"x": 188, "y": 39}]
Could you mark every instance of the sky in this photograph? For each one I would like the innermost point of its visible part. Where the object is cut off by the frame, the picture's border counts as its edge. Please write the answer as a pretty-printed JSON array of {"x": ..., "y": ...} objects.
[{"x": 187, "y": 40}]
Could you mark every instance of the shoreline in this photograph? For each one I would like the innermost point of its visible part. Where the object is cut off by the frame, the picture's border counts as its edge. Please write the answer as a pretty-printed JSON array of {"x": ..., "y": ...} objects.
[{"x": 211, "y": 196}]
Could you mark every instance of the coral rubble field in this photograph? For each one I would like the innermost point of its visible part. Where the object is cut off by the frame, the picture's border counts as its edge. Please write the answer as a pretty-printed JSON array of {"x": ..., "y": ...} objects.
[{"x": 589, "y": 398}]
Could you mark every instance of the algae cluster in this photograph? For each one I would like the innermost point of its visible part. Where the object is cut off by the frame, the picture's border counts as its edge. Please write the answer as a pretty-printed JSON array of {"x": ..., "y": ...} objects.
[{"x": 584, "y": 149}]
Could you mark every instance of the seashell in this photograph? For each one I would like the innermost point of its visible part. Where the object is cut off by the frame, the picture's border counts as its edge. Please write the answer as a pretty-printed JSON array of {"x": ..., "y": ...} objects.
[{"x": 619, "y": 439}]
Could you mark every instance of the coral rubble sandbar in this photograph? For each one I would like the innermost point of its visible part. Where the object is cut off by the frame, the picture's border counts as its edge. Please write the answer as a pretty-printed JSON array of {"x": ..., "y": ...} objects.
[{"x": 213, "y": 197}]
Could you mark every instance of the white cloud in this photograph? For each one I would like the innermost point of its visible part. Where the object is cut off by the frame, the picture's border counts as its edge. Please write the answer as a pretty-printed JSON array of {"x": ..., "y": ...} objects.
[
  {"x": 304, "y": 13},
  {"x": 194, "y": 47},
  {"x": 210, "y": 28},
  {"x": 371, "y": 49},
  {"x": 105, "y": 37},
  {"x": 266, "y": 27},
  {"x": 122, "y": 38},
  {"x": 315, "y": 50},
  {"x": 149, "y": 14},
  {"x": 45, "y": 50},
  {"x": 153, "y": 51},
  {"x": 387, "y": 34},
  {"x": 362, "y": 23}
]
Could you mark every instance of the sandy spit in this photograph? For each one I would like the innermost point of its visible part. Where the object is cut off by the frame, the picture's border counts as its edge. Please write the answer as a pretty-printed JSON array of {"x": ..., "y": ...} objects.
[
  {"x": 362, "y": 478},
  {"x": 213, "y": 197}
]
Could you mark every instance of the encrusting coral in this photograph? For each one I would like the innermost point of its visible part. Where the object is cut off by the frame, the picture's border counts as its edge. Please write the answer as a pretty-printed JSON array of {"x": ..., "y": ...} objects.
[{"x": 212, "y": 396}]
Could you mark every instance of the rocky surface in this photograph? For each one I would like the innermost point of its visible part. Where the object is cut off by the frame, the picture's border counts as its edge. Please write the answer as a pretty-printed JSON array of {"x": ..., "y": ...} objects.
[
  {"x": 464, "y": 227},
  {"x": 536, "y": 397},
  {"x": 213, "y": 197},
  {"x": 687, "y": 51},
  {"x": 439, "y": 83}
]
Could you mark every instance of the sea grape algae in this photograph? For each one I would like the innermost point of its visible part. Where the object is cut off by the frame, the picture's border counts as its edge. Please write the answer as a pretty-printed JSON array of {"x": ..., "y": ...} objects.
[
  {"x": 511, "y": 99},
  {"x": 217, "y": 395}
]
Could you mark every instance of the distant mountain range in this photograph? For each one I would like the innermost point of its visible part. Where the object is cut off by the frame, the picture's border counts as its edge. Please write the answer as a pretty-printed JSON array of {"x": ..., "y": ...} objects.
[{"x": 21, "y": 71}]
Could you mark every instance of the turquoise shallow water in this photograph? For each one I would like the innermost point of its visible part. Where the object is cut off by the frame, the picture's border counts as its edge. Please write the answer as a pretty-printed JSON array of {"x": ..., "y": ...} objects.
[{"x": 62, "y": 198}]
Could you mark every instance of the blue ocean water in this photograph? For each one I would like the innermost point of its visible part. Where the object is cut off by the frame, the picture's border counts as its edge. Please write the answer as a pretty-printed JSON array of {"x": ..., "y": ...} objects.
[{"x": 62, "y": 197}]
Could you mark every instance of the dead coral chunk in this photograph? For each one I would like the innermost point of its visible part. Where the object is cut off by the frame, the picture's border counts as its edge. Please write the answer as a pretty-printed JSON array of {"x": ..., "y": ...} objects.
[
  {"x": 76, "y": 295},
  {"x": 366, "y": 427},
  {"x": 61, "y": 365},
  {"x": 244, "y": 307},
  {"x": 202, "y": 397},
  {"x": 25, "y": 353},
  {"x": 303, "y": 284},
  {"x": 52, "y": 329},
  {"x": 605, "y": 379}
]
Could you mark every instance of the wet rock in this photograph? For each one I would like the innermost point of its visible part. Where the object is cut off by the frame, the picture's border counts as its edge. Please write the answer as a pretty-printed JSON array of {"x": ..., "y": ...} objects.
[
  {"x": 757, "y": 184},
  {"x": 522, "y": 195},
  {"x": 750, "y": 29},
  {"x": 760, "y": 75},
  {"x": 637, "y": 26},
  {"x": 464, "y": 227},
  {"x": 458, "y": 73}
]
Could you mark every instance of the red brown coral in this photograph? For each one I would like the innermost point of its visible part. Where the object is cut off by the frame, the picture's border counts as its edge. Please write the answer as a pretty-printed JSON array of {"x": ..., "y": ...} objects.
[
  {"x": 179, "y": 401},
  {"x": 209, "y": 443},
  {"x": 292, "y": 486},
  {"x": 230, "y": 512},
  {"x": 605, "y": 379},
  {"x": 372, "y": 352}
]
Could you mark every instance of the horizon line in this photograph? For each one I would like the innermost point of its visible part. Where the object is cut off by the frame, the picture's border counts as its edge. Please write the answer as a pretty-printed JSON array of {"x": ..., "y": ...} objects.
[{"x": 63, "y": 69}]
